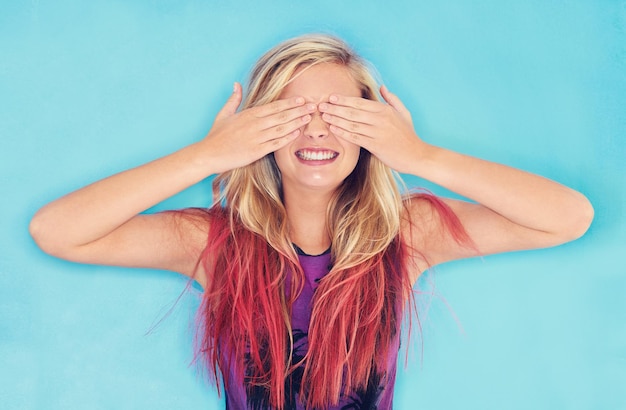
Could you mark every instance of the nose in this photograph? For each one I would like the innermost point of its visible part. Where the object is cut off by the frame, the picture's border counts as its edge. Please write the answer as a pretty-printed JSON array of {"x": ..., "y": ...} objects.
[{"x": 317, "y": 127}]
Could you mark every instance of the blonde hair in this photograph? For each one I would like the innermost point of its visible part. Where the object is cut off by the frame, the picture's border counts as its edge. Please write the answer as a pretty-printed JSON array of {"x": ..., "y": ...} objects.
[{"x": 245, "y": 304}]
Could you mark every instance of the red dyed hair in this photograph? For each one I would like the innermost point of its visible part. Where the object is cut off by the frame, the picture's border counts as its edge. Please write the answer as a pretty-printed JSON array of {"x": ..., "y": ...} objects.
[
  {"x": 245, "y": 315},
  {"x": 244, "y": 319}
]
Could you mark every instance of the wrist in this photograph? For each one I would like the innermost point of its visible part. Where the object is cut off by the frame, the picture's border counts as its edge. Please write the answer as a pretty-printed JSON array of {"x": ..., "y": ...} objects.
[
  {"x": 425, "y": 158},
  {"x": 196, "y": 158}
]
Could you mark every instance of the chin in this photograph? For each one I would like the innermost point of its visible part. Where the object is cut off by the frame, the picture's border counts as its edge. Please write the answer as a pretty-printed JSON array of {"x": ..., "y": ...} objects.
[{"x": 317, "y": 183}]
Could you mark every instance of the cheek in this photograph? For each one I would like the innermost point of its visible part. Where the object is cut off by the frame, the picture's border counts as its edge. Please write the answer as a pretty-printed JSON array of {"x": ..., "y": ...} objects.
[
  {"x": 353, "y": 152},
  {"x": 280, "y": 157}
]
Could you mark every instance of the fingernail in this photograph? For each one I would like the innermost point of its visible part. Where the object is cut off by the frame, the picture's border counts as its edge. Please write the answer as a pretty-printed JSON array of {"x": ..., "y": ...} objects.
[
  {"x": 299, "y": 100},
  {"x": 323, "y": 106},
  {"x": 311, "y": 107},
  {"x": 306, "y": 118},
  {"x": 234, "y": 87},
  {"x": 333, "y": 99}
]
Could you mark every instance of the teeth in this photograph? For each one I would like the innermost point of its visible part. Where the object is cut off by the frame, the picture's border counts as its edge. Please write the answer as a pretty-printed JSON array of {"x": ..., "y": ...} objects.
[{"x": 316, "y": 155}]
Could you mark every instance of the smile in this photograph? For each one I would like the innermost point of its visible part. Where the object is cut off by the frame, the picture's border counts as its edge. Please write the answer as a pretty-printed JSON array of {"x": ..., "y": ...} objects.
[{"x": 311, "y": 155}]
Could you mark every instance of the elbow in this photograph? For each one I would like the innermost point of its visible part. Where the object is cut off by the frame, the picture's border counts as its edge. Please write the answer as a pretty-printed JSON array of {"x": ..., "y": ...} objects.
[
  {"x": 588, "y": 216},
  {"x": 585, "y": 217},
  {"x": 37, "y": 230},
  {"x": 42, "y": 232},
  {"x": 582, "y": 214}
]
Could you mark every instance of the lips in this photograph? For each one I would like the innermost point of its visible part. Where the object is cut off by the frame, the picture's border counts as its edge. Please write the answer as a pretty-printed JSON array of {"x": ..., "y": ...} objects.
[{"x": 316, "y": 154}]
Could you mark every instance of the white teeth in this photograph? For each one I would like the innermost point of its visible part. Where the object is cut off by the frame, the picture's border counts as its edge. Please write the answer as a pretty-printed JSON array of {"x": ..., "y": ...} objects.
[{"x": 316, "y": 155}]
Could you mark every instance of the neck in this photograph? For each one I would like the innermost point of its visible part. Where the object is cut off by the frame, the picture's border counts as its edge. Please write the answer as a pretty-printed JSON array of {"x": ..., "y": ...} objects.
[{"x": 307, "y": 219}]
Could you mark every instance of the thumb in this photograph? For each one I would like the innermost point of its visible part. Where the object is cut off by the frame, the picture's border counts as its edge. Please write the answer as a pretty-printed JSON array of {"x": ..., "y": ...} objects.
[
  {"x": 393, "y": 100},
  {"x": 230, "y": 108}
]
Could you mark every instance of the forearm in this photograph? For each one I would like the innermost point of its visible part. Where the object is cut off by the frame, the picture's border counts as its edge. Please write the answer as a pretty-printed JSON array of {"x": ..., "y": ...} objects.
[
  {"x": 94, "y": 211},
  {"x": 524, "y": 198}
]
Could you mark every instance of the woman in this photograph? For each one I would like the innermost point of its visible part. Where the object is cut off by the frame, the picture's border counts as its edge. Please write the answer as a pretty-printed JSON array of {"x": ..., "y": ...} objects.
[{"x": 308, "y": 256}]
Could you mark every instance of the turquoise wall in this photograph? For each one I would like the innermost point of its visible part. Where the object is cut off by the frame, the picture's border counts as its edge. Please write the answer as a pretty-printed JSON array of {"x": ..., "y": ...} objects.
[{"x": 91, "y": 88}]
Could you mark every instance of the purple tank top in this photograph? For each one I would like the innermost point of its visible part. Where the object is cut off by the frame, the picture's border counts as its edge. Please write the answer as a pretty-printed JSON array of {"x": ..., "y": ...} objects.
[{"x": 377, "y": 395}]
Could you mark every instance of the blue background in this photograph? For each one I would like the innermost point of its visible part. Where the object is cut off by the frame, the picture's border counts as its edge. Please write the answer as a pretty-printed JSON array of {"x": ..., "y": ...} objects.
[{"x": 91, "y": 88}]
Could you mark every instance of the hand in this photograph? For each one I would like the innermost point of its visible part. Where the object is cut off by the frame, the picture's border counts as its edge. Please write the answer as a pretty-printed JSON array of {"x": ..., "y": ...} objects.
[
  {"x": 240, "y": 138},
  {"x": 385, "y": 130}
]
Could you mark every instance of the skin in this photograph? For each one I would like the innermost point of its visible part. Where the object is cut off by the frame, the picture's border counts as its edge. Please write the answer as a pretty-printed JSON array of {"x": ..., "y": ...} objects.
[
  {"x": 316, "y": 84},
  {"x": 101, "y": 224},
  {"x": 512, "y": 209},
  {"x": 320, "y": 109},
  {"x": 309, "y": 184}
]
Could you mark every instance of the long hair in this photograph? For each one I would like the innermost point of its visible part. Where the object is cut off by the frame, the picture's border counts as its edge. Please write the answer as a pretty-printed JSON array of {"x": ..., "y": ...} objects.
[{"x": 245, "y": 315}]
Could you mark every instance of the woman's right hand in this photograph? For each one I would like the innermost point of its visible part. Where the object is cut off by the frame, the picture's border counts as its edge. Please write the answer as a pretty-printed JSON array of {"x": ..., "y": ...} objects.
[{"x": 240, "y": 138}]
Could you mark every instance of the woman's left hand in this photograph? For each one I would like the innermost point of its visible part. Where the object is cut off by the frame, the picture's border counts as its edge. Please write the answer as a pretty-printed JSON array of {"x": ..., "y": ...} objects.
[{"x": 385, "y": 130}]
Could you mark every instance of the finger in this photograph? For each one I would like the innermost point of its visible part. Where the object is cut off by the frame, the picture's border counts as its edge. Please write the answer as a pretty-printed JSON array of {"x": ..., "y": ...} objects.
[
  {"x": 347, "y": 125},
  {"x": 284, "y": 129},
  {"x": 275, "y": 144},
  {"x": 287, "y": 116},
  {"x": 354, "y": 102},
  {"x": 230, "y": 108},
  {"x": 393, "y": 100},
  {"x": 348, "y": 113},
  {"x": 277, "y": 106},
  {"x": 352, "y": 137}
]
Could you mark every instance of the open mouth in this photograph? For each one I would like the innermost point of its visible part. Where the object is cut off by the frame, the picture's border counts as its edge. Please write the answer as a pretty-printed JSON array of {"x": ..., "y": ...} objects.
[{"x": 311, "y": 155}]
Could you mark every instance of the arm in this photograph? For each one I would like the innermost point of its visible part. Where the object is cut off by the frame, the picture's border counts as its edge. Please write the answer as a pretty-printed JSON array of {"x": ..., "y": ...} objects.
[
  {"x": 101, "y": 223},
  {"x": 514, "y": 209}
]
